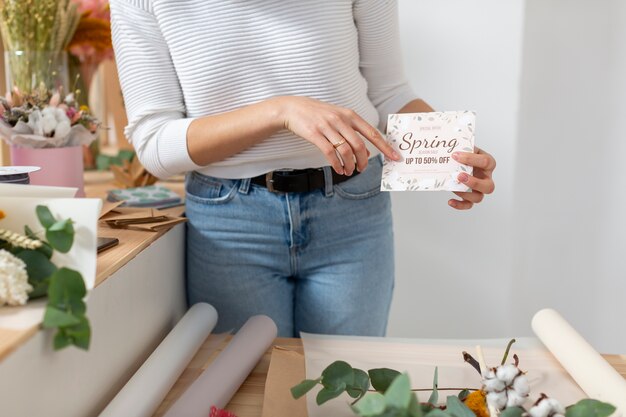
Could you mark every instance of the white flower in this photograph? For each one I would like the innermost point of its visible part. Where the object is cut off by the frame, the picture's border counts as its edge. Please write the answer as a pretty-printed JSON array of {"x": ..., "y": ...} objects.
[
  {"x": 48, "y": 120},
  {"x": 506, "y": 386},
  {"x": 35, "y": 122},
  {"x": 63, "y": 129},
  {"x": 14, "y": 286},
  {"x": 547, "y": 407},
  {"x": 55, "y": 120}
]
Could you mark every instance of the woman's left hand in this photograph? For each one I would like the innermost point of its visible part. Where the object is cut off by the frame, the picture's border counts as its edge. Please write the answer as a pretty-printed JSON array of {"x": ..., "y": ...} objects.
[{"x": 481, "y": 182}]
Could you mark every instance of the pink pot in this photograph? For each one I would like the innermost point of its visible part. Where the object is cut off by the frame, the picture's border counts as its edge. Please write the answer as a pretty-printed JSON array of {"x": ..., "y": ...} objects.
[{"x": 61, "y": 167}]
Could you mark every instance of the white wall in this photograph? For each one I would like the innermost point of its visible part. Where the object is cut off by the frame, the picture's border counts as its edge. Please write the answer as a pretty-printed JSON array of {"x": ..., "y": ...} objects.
[
  {"x": 548, "y": 80},
  {"x": 453, "y": 268}
]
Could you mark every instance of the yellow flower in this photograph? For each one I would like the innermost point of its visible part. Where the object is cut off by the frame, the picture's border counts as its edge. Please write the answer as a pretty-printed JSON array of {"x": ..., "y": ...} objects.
[
  {"x": 2, "y": 215},
  {"x": 84, "y": 108},
  {"x": 477, "y": 403}
]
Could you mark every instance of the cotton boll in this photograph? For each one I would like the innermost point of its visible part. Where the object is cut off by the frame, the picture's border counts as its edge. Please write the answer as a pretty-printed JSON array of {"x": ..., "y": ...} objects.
[
  {"x": 547, "y": 407},
  {"x": 491, "y": 385},
  {"x": 63, "y": 129},
  {"x": 507, "y": 373},
  {"x": 521, "y": 385},
  {"x": 497, "y": 400},
  {"x": 515, "y": 399}
]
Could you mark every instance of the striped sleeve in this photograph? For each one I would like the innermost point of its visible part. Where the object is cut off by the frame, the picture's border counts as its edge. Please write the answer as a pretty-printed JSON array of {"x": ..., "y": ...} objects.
[
  {"x": 381, "y": 56},
  {"x": 157, "y": 123}
]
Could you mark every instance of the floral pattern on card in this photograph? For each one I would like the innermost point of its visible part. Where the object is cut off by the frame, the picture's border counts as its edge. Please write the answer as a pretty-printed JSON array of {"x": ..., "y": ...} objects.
[{"x": 426, "y": 142}]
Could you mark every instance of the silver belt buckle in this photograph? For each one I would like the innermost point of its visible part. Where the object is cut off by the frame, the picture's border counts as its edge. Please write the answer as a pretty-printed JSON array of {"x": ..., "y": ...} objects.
[{"x": 269, "y": 182}]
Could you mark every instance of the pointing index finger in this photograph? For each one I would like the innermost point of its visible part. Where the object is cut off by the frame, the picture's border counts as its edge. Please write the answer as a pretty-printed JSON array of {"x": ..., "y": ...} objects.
[{"x": 373, "y": 135}]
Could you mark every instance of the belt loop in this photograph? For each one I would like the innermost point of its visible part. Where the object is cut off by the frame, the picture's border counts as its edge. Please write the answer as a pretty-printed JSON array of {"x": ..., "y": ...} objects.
[
  {"x": 244, "y": 186},
  {"x": 328, "y": 181}
]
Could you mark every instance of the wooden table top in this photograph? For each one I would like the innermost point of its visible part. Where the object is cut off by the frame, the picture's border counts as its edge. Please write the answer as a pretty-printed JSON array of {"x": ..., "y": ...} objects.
[
  {"x": 248, "y": 402},
  {"x": 132, "y": 242}
]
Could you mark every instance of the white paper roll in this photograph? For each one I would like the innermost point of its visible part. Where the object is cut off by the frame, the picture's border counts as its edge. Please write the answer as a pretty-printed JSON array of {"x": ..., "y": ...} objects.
[
  {"x": 221, "y": 380},
  {"x": 145, "y": 391},
  {"x": 587, "y": 367}
]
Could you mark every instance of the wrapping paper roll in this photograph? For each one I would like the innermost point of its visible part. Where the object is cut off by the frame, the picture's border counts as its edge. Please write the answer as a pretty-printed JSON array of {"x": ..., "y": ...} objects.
[
  {"x": 142, "y": 395},
  {"x": 586, "y": 366},
  {"x": 221, "y": 380}
]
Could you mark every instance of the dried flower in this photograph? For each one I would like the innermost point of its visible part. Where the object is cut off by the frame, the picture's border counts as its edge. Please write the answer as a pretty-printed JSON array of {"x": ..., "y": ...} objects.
[
  {"x": 506, "y": 386},
  {"x": 2, "y": 215},
  {"x": 477, "y": 403},
  {"x": 547, "y": 407},
  {"x": 14, "y": 286},
  {"x": 18, "y": 240}
]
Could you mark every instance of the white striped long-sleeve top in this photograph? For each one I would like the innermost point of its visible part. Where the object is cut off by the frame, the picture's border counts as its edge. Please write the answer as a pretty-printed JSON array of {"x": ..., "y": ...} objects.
[{"x": 183, "y": 59}]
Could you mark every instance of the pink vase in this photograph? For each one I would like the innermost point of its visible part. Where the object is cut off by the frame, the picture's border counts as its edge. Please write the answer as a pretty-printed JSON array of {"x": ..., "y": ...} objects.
[{"x": 61, "y": 167}]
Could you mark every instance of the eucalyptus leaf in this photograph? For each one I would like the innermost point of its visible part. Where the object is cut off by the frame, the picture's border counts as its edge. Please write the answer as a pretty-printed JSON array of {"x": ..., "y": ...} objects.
[
  {"x": 415, "y": 410},
  {"x": 45, "y": 216},
  {"x": 464, "y": 394},
  {"x": 382, "y": 377},
  {"x": 39, "y": 270},
  {"x": 398, "y": 394},
  {"x": 61, "y": 239},
  {"x": 589, "y": 408},
  {"x": 457, "y": 408},
  {"x": 67, "y": 290},
  {"x": 60, "y": 225},
  {"x": 54, "y": 317},
  {"x": 337, "y": 374},
  {"x": 512, "y": 412},
  {"x": 373, "y": 404},
  {"x": 303, "y": 387},
  {"x": 61, "y": 340},
  {"x": 360, "y": 385},
  {"x": 80, "y": 333},
  {"x": 327, "y": 394},
  {"x": 434, "y": 397}
]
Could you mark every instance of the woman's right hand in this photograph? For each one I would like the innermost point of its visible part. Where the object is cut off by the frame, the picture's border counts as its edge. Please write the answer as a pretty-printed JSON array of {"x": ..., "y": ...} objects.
[{"x": 334, "y": 130}]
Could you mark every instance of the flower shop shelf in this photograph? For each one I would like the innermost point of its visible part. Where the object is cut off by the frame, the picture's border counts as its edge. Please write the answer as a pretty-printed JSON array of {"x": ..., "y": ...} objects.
[{"x": 139, "y": 296}]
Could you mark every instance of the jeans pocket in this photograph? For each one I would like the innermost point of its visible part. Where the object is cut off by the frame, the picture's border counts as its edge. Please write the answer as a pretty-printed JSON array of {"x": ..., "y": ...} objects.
[
  {"x": 210, "y": 190},
  {"x": 364, "y": 185}
]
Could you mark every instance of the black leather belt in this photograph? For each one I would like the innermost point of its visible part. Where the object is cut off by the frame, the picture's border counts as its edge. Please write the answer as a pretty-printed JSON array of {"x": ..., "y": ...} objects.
[{"x": 297, "y": 181}]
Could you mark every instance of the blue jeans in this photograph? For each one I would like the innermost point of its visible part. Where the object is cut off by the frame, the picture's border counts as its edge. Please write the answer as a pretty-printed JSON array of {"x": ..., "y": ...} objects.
[{"x": 317, "y": 262}]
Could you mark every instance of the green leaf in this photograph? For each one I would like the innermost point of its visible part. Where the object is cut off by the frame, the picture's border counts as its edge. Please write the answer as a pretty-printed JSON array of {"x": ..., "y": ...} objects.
[
  {"x": 337, "y": 374},
  {"x": 303, "y": 387},
  {"x": 54, "y": 317},
  {"x": 457, "y": 408},
  {"x": 434, "y": 397},
  {"x": 61, "y": 340},
  {"x": 80, "y": 333},
  {"x": 415, "y": 410},
  {"x": 398, "y": 394},
  {"x": 39, "y": 269},
  {"x": 382, "y": 377},
  {"x": 67, "y": 290},
  {"x": 45, "y": 216},
  {"x": 372, "y": 404},
  {"x": 589, "y": 408},
  {"x": 512, "y": 412},
  {"x": 61, "y": 235},
  {"x": 327, "y": 394},
  {"x": 463, "y": 394},
  {"x": 437, "y": 412},
  {"x": 360, "y": 385}
]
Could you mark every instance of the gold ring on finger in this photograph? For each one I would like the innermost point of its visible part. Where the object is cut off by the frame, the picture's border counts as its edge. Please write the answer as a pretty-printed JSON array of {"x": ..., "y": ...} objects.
[{"x": 338, "y": 144}]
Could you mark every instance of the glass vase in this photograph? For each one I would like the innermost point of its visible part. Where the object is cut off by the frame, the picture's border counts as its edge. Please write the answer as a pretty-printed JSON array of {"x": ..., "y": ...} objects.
[{"x": 30, "y": 71}]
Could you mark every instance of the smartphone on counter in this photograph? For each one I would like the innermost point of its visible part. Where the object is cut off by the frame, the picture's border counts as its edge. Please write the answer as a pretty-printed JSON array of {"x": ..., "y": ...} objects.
[{"x": 105, "y": 243}]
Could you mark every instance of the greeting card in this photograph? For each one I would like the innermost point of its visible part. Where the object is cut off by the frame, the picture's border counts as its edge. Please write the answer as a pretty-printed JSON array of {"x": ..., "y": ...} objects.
[{"x": 426, "y": 142}]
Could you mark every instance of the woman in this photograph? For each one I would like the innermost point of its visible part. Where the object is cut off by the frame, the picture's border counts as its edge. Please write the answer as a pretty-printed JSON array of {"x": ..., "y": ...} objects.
[{"x": 272, "y": 108}]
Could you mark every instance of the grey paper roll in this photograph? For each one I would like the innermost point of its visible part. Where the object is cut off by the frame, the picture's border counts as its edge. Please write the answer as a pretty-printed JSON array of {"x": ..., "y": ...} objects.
[
  {"x": 145, "y": 391},
  {"x": 221, "y": 380}
]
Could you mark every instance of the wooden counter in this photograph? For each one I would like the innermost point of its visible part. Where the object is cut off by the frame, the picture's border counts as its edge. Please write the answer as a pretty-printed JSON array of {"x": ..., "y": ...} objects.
[
  {"x": 248, "y": 402},
  {"x": 138, "y": 298}
]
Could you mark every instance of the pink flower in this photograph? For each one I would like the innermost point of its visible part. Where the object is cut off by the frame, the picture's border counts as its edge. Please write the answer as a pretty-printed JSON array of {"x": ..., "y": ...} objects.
[
  {"x": 55, "y": 99},
  {"x": 98, "y": 9}
]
